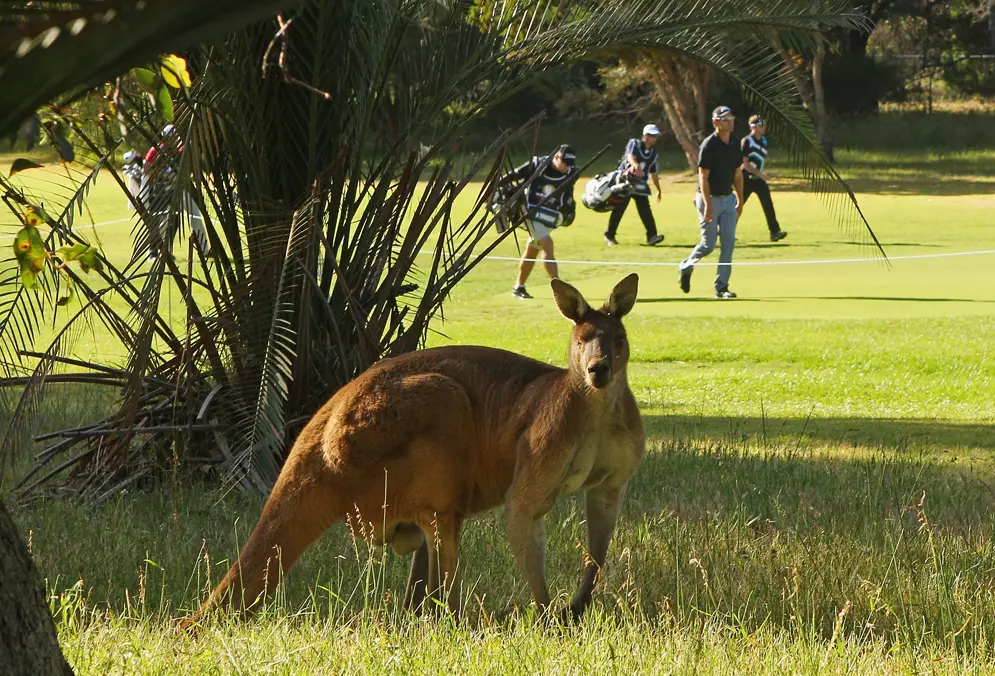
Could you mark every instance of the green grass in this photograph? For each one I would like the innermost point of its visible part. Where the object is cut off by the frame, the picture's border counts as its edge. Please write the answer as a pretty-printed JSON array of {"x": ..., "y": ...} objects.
[{"x": 818, "y": 497}]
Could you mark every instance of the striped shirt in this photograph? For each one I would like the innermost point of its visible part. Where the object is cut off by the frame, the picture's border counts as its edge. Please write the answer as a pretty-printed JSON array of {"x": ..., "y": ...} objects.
[
  {"x": 755, "y": 152},
  {"x": 646, "y": 157}
]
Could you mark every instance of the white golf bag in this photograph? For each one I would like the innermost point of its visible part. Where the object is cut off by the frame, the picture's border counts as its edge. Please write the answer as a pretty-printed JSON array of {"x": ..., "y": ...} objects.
[{"x": 604, "y": 192}]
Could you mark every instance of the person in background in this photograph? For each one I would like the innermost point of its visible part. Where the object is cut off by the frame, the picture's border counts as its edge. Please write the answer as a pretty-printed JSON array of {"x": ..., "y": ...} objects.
[
  {"x": 641, "y": 159},
  {"x": 132, "y": 170},
  {"x": 159, "y": 184},
  {"x": 719, "y": 163},
  {"x": 754, "y": 148},
  {"x": 546, "y": 210}
]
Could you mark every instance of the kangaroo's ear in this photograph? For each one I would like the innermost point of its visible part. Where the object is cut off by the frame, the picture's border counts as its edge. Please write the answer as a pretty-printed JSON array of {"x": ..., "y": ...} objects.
[
  {"x": 622, "y": 297},
  {"x": 568, "y": 299}
]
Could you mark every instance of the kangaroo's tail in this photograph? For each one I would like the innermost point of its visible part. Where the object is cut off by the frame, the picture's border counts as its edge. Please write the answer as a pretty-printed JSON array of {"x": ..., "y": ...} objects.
[{"x": 303, "y": 505}]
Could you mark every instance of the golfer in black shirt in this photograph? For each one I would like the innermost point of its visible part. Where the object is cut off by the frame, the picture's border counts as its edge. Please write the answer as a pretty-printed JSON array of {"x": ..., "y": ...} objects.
[{"x": 719, "y": 162}]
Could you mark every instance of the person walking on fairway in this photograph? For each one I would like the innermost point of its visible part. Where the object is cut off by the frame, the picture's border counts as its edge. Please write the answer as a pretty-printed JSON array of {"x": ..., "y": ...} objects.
[
  {"x": 719, "y": 163},
  {"x": 640, "y": 158},
  {"x": 755, "y": 180},
  {"x": 546, "y": 211}
]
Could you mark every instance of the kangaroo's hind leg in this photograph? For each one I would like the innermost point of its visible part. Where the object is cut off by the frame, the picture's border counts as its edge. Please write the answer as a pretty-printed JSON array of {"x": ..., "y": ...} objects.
[
  {"x": 409, "y": 539},
  {"x": 442, "y": 552}
]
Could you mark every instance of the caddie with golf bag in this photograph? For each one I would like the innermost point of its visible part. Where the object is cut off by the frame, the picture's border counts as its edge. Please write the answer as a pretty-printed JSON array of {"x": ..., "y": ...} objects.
[
  {"x": 640, "y": 159},
  {"x": 548, "y": 204}
]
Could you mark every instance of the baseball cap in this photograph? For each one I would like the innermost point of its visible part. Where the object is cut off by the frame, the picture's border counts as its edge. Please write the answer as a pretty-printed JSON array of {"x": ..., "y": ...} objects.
[
  {"x": 568, "y": 154},
  {"x": 756, "y": 121},
  {"x": 651, "y": 129},
  {"x": 168, "y": 129},
  {"x": 722, "y": 113}
]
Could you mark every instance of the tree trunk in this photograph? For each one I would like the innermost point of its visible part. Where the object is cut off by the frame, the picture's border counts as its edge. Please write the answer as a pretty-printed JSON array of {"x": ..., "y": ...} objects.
[
  {"x": 29, "y": 645},
  {"x": 991, "y": 24},
  {"x": 808, "y": 80},
  {"x": 820, "y": 115},
  {"x": 681, "y": 86}
]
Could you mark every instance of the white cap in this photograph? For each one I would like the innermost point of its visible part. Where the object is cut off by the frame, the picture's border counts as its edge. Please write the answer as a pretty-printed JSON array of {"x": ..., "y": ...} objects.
[
  {"x": 651, "y": 129},
  {"x": 168, "y": 129},
  {"x": 130, "y": 156}
]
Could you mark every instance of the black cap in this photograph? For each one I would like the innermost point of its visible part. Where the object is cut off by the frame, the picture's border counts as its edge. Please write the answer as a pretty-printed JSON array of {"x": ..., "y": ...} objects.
[{"x": 567, "y": 153}]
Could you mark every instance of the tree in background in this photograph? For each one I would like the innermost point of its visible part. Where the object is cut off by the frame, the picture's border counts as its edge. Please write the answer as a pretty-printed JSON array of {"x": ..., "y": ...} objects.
[
  {"x": 678, "y": 85},
  {"x": 806, "y": 69}
]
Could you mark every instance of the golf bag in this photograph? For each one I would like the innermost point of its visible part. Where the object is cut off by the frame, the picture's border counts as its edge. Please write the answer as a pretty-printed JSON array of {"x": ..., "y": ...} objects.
[
  {"x": 604, "y": 192},
  {"x": 512, "y": 213}
]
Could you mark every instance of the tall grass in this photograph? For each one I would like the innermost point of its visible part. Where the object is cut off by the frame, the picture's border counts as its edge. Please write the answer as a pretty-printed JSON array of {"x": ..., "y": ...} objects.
[{"x": 728, "y": 556}]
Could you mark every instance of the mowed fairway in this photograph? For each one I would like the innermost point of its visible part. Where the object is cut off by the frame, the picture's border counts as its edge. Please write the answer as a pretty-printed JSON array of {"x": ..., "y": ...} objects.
[{"x": 818, "y": 495}]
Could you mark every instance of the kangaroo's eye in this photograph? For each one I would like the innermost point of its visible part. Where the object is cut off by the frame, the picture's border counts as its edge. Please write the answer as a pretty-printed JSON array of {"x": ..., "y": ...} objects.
[{"x": 620, "y": 340}]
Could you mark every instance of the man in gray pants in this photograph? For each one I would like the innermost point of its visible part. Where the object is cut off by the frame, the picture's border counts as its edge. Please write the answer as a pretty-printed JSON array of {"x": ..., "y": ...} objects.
[{"x": 719, "y": 160}]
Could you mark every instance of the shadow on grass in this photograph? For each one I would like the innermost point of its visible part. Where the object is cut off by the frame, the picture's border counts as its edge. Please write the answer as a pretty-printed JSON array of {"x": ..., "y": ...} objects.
[
  {"x": 922, "y": 183},
  {"x": 777, "y": 534},
  {"x": 893, "y": 435},
  {"x": 911, "y": 299},
  {"x": 700, "y": 299}
]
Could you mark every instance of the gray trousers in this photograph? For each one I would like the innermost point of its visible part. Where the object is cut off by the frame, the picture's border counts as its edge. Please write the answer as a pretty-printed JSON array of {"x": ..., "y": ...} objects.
[{"x": 722, "y": 228}]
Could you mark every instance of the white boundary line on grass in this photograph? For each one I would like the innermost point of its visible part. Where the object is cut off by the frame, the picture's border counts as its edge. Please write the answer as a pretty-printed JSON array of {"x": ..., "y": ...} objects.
[
  {"x": 99, "y": 225},
  {"x": 129, "y": 219},
  {"x": 746, "y": 263}
]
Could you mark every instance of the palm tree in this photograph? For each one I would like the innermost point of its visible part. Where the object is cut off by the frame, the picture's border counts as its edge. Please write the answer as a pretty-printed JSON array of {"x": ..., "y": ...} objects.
[{"x": 322, "y": 148}]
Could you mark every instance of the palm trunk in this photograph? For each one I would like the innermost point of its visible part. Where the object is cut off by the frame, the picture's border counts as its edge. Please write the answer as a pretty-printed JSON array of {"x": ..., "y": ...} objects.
[{"x": 29, "y": 644}]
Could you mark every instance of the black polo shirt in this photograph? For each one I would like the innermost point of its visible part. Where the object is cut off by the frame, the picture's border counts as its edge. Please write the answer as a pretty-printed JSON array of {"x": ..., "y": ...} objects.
[{"x": 722, "y": 160}]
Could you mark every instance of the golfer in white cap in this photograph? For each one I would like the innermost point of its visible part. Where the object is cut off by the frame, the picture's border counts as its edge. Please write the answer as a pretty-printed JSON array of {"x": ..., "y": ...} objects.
[{"x": 640, "y": 159}]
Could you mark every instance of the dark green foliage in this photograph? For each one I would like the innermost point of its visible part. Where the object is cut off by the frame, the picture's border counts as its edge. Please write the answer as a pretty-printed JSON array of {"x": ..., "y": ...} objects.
[{"x": 855, "y": 83}]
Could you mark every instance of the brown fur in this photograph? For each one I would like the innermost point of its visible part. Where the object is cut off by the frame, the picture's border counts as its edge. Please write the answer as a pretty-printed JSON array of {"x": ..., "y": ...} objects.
[{"x": 418, "y": 443}]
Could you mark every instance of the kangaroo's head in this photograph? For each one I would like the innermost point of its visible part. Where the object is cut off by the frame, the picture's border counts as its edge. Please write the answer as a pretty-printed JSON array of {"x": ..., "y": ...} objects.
[{"x": 599, "y": 349}]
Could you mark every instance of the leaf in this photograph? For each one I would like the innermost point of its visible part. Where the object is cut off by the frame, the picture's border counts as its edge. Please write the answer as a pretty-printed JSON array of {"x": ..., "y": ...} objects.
[
  {"x": 65, "y": 300},
  {"x": 166, "y": 104},
  {"x": 71, "y": 253},
  {"x": 174, "y": 71},
  {"x": 29, "y": 278},
  {"x": 29, "y": 249},
  {"x": 35, "y": 216},
  {"x": 90, "y": 260},
  {"x": 23, "y": 164},
  {"x": 147, "y": 79}
]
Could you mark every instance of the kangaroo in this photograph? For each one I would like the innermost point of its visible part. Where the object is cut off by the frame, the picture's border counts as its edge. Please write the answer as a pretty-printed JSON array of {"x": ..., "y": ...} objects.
[{"x": 418, "y": 443}]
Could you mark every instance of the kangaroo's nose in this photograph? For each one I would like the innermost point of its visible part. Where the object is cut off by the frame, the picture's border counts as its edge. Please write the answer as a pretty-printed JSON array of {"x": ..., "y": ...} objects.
[{"x": 599, "y": 367}]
